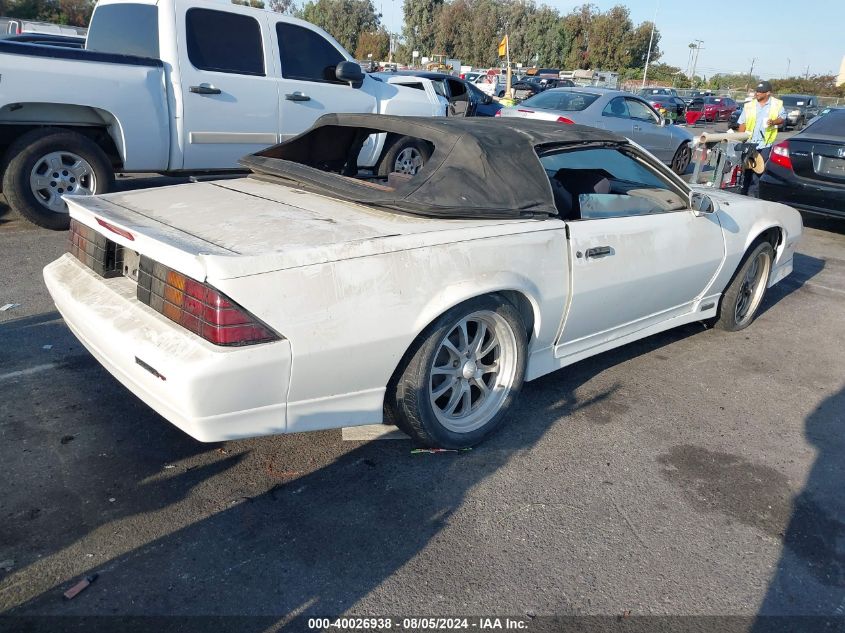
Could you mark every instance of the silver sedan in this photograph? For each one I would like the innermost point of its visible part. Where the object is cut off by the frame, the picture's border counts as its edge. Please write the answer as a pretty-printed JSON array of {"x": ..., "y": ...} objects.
[{"x": 613, "y": 110}]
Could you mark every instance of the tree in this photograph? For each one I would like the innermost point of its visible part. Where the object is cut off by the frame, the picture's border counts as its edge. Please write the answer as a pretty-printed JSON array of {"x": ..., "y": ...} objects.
[
  {"x": 577, "y": 26},
  {"x": 344, "y": 20},
  {"x": 549, "y": 42},
  {"x": 283, "y": 6},
  {"x": 419, "y": 30},
  {"x": 373, "y": 43},
  {"x": 637, "y": 44}
]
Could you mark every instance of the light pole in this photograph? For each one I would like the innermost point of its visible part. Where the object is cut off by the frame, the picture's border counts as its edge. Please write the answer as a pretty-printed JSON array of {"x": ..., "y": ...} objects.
[
  {"x": 788, "y": 64},
  {"x": 650, "y": 41}
]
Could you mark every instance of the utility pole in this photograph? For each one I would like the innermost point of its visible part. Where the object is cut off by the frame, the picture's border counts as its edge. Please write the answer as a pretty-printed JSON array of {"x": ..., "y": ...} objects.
[
  {"x": 751, "y": 72},
  {"x": 689, "y": 59},
  {"x": 788, "y": 64},
  {"x": 650, "y": 41},
  {"x": 807, "y": 74},
  {"x": 698, "y": 44}
]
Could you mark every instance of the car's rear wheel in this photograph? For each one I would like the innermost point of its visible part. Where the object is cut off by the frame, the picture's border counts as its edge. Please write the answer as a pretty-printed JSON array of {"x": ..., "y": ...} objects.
[
  {"x": 406, "y": 156},
  {"x": 744, "y": 294},
  {"x": 682, "y": 158},
  {"x": 462, "y": 375}
]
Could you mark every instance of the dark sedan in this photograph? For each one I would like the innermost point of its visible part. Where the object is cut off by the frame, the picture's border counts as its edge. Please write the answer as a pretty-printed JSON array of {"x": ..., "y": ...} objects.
[
  {"x": 808, "y": 170},
  {"x": 529, "y": 86}
]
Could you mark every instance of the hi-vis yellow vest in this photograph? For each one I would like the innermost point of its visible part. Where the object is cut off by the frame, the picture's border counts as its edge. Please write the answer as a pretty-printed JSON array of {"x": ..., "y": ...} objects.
[{"x": 769, "y": 133}]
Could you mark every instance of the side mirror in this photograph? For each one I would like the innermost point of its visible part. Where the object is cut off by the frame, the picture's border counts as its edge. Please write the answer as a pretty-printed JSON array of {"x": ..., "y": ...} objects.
[
  {"x": 700, "y": 203},
  {"x": 351, "y": 73}
]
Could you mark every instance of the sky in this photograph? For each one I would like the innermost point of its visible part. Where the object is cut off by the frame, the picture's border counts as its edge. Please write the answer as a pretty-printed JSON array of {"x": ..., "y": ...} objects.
[{"x": 783, "y": 35}]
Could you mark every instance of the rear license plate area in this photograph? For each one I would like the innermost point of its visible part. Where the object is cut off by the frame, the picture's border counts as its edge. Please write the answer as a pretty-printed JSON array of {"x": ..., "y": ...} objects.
[
  {"x": 131, "y": 264},
  {"x": 828, "y": 166}
]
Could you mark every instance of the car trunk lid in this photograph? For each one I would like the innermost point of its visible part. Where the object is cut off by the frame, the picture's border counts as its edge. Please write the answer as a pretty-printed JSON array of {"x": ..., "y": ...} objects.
[
  {"x": 232, "y": 228},
  {"x": 820, "y": 159}
]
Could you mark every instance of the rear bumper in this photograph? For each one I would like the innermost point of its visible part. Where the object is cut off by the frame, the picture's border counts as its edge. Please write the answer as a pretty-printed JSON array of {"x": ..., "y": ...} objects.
[
  {"x": 212, "y": 393},
  {"x": 816, "y": 198}
]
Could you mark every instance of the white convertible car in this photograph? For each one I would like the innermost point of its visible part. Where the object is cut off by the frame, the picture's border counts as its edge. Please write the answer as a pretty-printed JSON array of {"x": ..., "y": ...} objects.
[{"x": 311, "y": 296}]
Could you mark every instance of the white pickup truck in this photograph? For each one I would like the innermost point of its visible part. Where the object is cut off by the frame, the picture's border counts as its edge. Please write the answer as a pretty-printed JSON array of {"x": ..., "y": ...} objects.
[{"x": 174, "y": 86}]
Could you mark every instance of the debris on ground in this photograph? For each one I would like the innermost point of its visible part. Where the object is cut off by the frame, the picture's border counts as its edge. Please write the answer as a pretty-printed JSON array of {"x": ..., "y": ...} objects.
[
  {"x": 169, "y": 466},
  {"x": 47, "y": 347},
  {"x": 112, "y": 499},
  {"x": 74, "y": 591},
  {"x": 222, "y": 451},
  {"x": 67, "y": 439},
  {"x": 419, "y": 451},
  {"x": 7, "y": 565},
  {"x": 9, "y": 306}
]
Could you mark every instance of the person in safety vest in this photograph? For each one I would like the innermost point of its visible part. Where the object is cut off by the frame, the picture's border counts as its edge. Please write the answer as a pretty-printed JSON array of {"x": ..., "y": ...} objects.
[{"x": 760, "y": 119}]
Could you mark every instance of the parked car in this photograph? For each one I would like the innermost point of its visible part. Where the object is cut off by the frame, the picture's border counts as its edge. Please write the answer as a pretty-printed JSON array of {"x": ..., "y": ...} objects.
[
  {"x": 710, "y": 109},
  {"x": 807, "y": 171},
  {"x": 823, "y": 112},
  {"x": 19, "y": 26},
  {"x": 697, "y": 94},
  {"x": 613, "y": 110},
  {"x": 246, "y": 79},
  {"x": 485, "y": 104},
  {"x": 461, "y": 96},
  {"x": 799, "y": 110},
  {"x": 221, "y": 305},
  {"x": 663, "y": 98}
]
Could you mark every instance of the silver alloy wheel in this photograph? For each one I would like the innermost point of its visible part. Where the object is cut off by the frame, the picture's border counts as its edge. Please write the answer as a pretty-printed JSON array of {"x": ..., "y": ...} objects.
[
  {"x": 752, "y": 289},
  {"x": 473, "y": 371},
  {"x": 408, "y": 161},
  {"x": 60, "y": 174}
]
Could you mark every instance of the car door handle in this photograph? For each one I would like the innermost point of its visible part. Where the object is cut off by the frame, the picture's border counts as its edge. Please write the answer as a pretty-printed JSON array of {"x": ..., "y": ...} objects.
[
  {"x": 599, "y": 251},
  {"x": 205, "y": 89},
  {"x": 637, "y": 128},
  {"x": 297, "y": 96}
]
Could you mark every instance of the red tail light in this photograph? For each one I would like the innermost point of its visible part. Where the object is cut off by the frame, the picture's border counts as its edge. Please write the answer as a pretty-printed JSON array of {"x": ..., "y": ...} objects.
[
  {"x": 563, "y": 119},
  {"x": 198, "y": 307},
  {"x": 498, "y": 113},
  {"x": 780, "y": 155}
]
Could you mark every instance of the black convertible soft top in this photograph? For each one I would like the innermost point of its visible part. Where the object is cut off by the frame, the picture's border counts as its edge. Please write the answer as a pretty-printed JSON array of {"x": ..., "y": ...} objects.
[{"x": 480, "y": 168}]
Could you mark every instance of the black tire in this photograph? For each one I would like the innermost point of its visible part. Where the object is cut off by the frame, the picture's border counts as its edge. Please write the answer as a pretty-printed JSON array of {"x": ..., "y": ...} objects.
[
  {"x": 388, "y": 161},
  {"x": 729, "y": 317},
  {"x": 681, "y": 159},
  {"x": 22, "y": 157},
  {"x": 410, "y": 400}
]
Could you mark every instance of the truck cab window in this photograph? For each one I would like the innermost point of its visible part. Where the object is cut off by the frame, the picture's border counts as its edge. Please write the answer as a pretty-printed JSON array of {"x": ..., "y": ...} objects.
[
  {"x": 124, "y": 29},
  {"x": 306, "y": 55},
  {"x": 224, "y": 42}
]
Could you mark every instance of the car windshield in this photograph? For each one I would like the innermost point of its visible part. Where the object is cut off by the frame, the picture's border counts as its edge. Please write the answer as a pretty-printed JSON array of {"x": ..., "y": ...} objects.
[
  {"x": 794, "y": 101},
  {"x": 566, "y": 101}
]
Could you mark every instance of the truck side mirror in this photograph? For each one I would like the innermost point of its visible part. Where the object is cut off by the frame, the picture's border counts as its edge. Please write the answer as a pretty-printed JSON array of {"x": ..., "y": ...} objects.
[{"x": 351, "y": 73}]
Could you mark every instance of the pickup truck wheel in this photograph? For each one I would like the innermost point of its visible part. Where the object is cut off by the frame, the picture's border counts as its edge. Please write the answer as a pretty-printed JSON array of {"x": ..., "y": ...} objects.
[
  {"x": 682, "y": 158},
  {"x": 463, "y": 374},
  {"x": 406, "y": 156},
  {"x": 744, "y": 294},
  {"x": 44, "y": 165}
]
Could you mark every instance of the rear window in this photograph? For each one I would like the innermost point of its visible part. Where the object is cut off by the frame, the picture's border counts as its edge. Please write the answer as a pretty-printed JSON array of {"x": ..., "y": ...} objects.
[
  {"x": 306, "y": 54},
  {"x": 566, "y": 101},
  {"x": 832, "y": 124},
  {"x": 124, "y": 29},
  {"x": 794, "y": 101},
  {"x": 224, "y": 42}
]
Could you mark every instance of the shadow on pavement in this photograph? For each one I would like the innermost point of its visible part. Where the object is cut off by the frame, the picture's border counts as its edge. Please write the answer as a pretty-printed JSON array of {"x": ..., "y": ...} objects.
[
  {"x": 312, "y": 545},
  {"x": 804, "y": 268},
  {"x": 810, "y": 577}
]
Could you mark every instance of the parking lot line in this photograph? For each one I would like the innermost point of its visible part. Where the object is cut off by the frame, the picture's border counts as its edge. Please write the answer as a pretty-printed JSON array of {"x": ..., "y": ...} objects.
[{"x": 27, "y": 372}]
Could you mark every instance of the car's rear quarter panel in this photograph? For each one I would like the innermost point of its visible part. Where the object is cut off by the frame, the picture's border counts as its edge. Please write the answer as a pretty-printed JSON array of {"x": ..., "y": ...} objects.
[{"x": 350, "y": 322}]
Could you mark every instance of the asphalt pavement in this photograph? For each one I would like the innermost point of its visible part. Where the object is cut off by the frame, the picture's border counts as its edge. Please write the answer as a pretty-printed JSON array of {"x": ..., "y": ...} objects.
[{"x": 693, "y": 473}]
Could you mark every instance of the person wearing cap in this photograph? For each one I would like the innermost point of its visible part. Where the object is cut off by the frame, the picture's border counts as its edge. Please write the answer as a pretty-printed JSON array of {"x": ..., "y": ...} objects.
[{"x": 760, "y": 118}]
